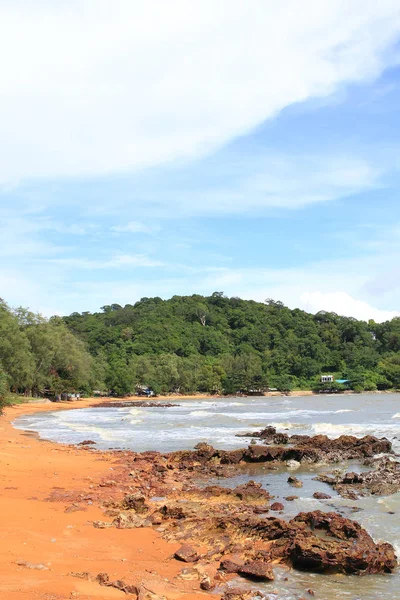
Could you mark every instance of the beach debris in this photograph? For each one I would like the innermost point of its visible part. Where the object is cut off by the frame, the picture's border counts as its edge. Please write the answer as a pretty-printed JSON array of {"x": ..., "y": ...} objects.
[{"x": 29, "y": 565}]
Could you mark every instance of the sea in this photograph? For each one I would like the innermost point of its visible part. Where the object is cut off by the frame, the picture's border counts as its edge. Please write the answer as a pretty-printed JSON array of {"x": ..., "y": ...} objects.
[{"x": 217, "y": 421}]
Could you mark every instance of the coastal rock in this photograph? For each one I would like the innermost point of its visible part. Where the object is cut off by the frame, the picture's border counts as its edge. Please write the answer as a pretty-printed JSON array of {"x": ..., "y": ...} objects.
[
  {"x": 240, "y": 593},
  {"x": 207, "y": 583},
  {"x": 136, "y": 502},
  {"x": 257, "y": 570},
  {"x": 384, "y": 480},
  {"x": 187, "y": 553},
  {"x": 276, "y": 506},
  {"x": 294, "y": 482},
  {"x": 321, "y": 496},
  {"x": 351, "y": 549}
]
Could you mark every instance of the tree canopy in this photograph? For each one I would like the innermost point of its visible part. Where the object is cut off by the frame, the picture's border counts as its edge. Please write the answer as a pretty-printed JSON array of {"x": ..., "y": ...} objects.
[
  {"x": 194, "y": 343},
  {"x": 216, "y": 343}
]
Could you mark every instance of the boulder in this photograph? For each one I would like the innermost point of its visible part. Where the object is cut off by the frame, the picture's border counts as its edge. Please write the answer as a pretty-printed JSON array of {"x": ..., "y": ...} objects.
[{"x": 187, "y": 553}]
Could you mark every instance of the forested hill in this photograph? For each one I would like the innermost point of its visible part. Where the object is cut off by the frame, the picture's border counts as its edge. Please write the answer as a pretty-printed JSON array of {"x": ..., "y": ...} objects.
[{"x": 215, "y": 343}]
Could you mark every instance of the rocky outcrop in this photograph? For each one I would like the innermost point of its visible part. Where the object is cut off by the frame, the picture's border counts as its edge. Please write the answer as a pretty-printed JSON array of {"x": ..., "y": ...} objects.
[
  {"x": 253, "y": 569},
  {"x": 383, "y": 480}
]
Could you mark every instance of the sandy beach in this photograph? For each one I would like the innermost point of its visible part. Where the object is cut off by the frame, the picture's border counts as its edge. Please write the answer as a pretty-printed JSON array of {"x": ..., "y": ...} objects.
[{"x": 38, "y": 531}]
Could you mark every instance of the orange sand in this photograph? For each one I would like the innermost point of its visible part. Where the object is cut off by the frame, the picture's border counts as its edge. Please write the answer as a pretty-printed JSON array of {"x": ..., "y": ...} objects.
[{"x": 41, "y": 532}]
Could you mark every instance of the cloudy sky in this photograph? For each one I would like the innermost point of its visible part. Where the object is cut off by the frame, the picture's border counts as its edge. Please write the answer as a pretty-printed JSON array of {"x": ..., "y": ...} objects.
[{"x": 189, "y": 146}]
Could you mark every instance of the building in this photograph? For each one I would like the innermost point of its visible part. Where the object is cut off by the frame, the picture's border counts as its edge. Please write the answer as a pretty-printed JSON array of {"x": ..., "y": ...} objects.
[{"x": 327, "y": 379}]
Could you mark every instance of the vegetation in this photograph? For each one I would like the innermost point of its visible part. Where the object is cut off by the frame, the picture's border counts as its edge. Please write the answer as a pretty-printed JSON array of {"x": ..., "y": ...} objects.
[
  {"x": 194, "y": 343},
  {"x": 215, "y": 343},
  {"x": 38, "y": 355}
]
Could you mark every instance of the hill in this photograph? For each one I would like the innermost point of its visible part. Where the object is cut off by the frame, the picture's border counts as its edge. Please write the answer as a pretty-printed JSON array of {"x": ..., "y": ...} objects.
[{"x": 214, "y": 343}]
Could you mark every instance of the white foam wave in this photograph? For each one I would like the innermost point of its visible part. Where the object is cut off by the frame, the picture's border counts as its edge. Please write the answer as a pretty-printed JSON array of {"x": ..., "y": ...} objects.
[
  {"x": 290, "y": 425},
  {"x": 343, "y": 410},
  {"x": 200, "y": 413},
  {"x": 396, "y": 550},
  {"x": 396, "y": 416}
]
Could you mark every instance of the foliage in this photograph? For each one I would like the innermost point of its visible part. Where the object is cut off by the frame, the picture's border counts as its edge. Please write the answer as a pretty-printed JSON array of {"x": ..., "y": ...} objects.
[
  {"x": 215, "y": 343},
  {"x": 38, "y": 354},
  {"x": 194, "y": 343}
]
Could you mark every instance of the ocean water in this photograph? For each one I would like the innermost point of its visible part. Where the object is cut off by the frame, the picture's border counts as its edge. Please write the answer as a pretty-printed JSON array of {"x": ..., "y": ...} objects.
[{"x": 217, "y": 421}]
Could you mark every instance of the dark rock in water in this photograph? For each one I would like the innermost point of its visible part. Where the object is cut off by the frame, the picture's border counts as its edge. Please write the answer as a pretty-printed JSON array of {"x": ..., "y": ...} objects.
[
  {"x": 251, "y": 491},
  {"x": 277, "y": 506},
  {"x": 291, "y": 498},
  {"x": 321, "y": 496},
  {"x": 384, "y": 480},
  {"x": 230, "y": 566},
  {"x": 257, "y": 569},
  {"x": 187, "y": 553},
  {"x": 86, "y": 443},
  {"x": 135, "y": 403},
  {"x": 296, "y": 438},
  {"x": 352, "y": 478},
  {"x": 239, "y": 593},
  {"x": 267, "y": 433},
  {"x": 280, "y": 438},
  {"x": 295, "y": 482},
  {"x": 351, "y": 549}
]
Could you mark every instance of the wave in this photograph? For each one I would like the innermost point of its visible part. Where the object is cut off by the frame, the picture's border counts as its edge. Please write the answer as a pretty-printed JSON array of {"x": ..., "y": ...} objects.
[
  {"x": 343, "y": 410},
  {"x": 396, "y": 416},
  {"x": 290, "y": 425},
  {"x": 200, "y": 413}
]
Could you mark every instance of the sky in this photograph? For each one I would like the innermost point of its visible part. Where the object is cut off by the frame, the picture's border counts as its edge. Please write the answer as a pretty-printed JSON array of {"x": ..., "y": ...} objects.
[{"x": 162, "y": 148}]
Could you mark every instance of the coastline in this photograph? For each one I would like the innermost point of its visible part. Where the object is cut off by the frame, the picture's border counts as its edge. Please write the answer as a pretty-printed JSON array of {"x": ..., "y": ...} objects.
[
  {"x": 42, "y": 482},
  {"x": 40, "y": 532}
]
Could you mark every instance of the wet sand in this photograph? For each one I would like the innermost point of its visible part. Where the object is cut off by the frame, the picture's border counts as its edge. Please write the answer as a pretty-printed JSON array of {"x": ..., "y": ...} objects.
[{"x": 38, "y": 531}]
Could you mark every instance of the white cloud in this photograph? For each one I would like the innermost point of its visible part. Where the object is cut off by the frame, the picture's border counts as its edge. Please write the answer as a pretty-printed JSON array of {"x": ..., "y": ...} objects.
[
  {"x": 132, "y": 227},
  {"x": 90, "y": 87},
  {"x": 118, "y": 261},
  {"x": 344, "y": 304}
]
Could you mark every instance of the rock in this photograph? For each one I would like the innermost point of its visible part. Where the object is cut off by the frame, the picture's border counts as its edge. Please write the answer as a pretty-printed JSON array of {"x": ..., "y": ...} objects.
[
  {"x": 207, "y": 583},
  {"x": 189, "y": 574},
  {"x": 293, "y": 464},
  {"x": 267, "y": 433},
  {"x": 239, "y": 593},
  {"x": 276, "y": 506},
  {"x": 257, "y": 570},
  {"x": 187, "y": 553},
  {"x": 347, "y": 548},
  {"x": 321, "y": 496},
  {"x": 295, "y": 482},
  {"x": 146, "y": 594},
  {"x": 104, "y": 579},
  {"x": 291, "y": 498},
  {"x": 229, "y": 566},
  {"x": 280, "y": 438},
  {"x": 136, "y": 502},
  {"x": 130, "y": 521},
  {"x": 251, "y": 491},
  {"x": 86, "y": 443},
  {"x": 383, "y": 480}
]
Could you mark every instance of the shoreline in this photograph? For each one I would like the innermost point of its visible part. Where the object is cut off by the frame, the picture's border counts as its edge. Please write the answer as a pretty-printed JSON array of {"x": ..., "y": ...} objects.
[
  {"x": 39, "y": 483},
  {"x": 52, "y": 494}
]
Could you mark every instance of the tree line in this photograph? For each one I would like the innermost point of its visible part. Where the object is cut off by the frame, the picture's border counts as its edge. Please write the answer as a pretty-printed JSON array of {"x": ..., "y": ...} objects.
[
  {"x": 193, "y": 343},
  {"x": 39, "y": 355}
]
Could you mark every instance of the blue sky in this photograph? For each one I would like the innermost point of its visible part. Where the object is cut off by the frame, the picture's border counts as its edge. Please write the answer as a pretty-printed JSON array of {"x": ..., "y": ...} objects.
[{"x": 254, "y": 152}]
